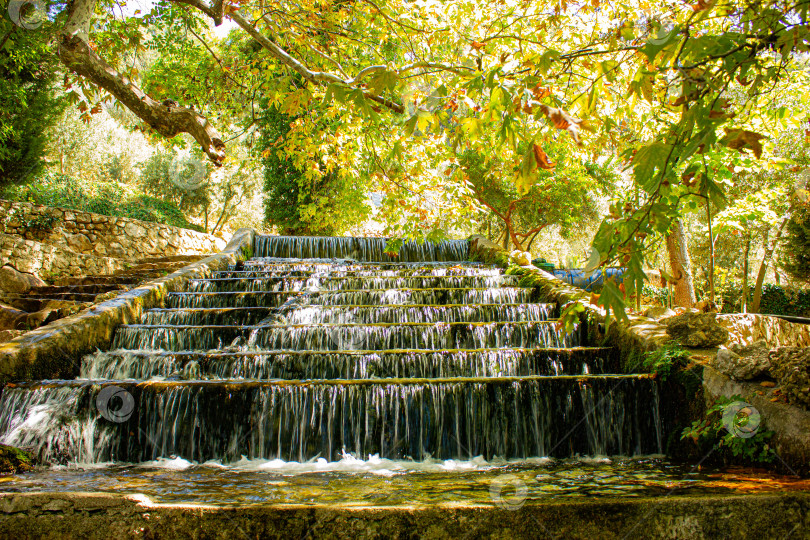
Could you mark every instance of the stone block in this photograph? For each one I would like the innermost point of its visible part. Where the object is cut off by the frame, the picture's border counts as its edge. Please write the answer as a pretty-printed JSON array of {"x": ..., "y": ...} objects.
[
  {"x": 12, "y": 281},
  {"x": 697, "y": 330}
]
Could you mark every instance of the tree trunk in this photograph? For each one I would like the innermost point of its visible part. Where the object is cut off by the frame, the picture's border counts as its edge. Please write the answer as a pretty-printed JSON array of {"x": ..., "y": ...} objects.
[
  {"x": 763, "y": 268},
  {"x": 681, "y": 266},
  {"x": 711, "y": 251},
  {"x": 745, "y": 274}
]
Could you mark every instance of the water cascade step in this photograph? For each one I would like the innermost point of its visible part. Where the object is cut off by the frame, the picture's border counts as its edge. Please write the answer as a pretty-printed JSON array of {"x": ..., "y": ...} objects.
[{"x": 323, "y": 347}]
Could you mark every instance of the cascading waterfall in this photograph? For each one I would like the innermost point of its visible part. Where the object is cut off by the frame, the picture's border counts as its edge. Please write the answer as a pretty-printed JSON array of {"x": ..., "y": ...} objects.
[{"x": 323, "y": 347}]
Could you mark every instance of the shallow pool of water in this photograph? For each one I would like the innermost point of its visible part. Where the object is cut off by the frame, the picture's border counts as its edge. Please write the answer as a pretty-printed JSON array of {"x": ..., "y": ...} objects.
[{"x": 381, "y": 482}]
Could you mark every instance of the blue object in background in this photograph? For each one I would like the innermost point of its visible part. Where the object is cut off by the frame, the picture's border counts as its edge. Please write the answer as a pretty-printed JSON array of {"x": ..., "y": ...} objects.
[{"x": 593, "y": 282}]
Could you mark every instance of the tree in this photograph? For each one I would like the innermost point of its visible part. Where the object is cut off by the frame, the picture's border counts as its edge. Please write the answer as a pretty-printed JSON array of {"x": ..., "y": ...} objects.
[
  {"x": 27, "y": 100},
  {"x": 680, "y": 265},
  {"x": 304, "y": 198},
  {"x": 564, "y": 192},
  {"x": 797, "y": 245},
  {"x": 180, "y": 180}
]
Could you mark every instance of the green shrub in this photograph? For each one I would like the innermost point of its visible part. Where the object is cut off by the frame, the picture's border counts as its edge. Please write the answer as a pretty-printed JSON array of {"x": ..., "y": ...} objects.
[
  {"x": 776, "y": 300},
  {"x": 108, "y": 198},
  {"x": 731, "y": 429},
  {"x": 665, "y": 360}
]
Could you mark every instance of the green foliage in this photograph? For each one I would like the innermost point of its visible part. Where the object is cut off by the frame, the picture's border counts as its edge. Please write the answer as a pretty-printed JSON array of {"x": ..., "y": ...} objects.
[
  {"x": 297, "y": 201},
  {"x": 100, "y": 197},
  {"x": 35, "y": 223},
  {"x": 666, "y": 360},
  {"x": 563, "y": 192},
  {"x": 718, "y": 429},
  {"x": 28, "y": 102},
  {"x": 797, "y": 245},
  {"x": 776, "y": 300},
  {"x": 182, "y": 183},
  {"x": 655, "y": 295}
]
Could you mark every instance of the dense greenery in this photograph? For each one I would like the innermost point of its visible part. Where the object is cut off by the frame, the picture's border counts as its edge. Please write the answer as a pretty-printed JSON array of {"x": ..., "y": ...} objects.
[
  {"x": 28, "y": 101},
  {"x": 729, "y": 430},
  {"x": 300, "y": 203},
  {"x": 471, "y": 116},
  {"x": 108, "y": 198},
  {"x": 797, "y": 247}
]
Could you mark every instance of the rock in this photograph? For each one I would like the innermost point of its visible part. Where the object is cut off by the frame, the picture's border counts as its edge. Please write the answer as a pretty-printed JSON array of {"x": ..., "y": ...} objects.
[
  {"x": 658, "y": 312},
  {"x": 78, "y": 242},
  {"x": 523, "y": 258},
  {"x": 38, "y": 318},
  {"x": 707, "y": 306},
  {"x": 8, "y": 335},
  {"x": 134, "y": 231},
  {"x": 697, "y": 330},
  {"x": 9, "y": 316},
  {"x": 744, "y": 363},
  {"x": 14, "y": 460},
  {"x": 12, "y": 281},
  {"x": 103, "y": 297},
  {"x": 791, "y": 367}
]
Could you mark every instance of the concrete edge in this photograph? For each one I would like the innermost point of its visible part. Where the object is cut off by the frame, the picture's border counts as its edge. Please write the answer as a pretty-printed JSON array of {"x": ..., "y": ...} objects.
[
  {"x": 106, "y": 515},
  {"x": 640, "y": 334},
  {"x": 55, "y": 350}
]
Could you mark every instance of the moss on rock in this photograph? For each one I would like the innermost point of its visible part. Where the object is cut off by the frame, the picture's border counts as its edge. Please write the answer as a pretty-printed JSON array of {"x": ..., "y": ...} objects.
[{"x": 14, "y": 460}]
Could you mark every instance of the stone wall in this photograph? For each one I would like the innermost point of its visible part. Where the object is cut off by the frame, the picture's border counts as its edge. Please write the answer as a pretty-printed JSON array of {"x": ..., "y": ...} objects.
[
  {"x": 45, "y": 260},
  {"x": 746, "y": 329},
  {"x": 101, "y": 236},
  {"x": 54, "y": 351}
]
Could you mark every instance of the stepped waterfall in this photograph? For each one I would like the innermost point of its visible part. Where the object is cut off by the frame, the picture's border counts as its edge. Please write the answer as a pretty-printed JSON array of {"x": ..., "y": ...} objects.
[{"x": 330, "y": 349}]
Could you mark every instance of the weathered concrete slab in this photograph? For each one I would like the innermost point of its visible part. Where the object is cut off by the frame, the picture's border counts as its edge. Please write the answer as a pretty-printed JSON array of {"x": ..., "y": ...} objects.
[
  {"x": 55, "y": 350},
  {"x": 100, "y": 515}
]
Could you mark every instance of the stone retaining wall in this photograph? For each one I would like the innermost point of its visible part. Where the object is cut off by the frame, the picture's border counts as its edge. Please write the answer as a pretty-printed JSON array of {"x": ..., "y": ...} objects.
[
  {"x": 47, "y": 261},
  {"x": 747, "y": 329},
  {"x": 101, "y": 236},
  {"x": 55, "y": 351}
]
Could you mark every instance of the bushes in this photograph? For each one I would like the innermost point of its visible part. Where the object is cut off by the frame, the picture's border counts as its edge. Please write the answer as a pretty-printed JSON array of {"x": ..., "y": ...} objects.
[
  {"x": 796, "y": 251},
  {"x": 785, "y": 301},
  {"x": 108, "y": 198}
]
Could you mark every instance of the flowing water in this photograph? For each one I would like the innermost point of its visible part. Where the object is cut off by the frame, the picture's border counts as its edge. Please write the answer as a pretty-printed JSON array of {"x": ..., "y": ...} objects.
[{"x": 324, "y": 369}]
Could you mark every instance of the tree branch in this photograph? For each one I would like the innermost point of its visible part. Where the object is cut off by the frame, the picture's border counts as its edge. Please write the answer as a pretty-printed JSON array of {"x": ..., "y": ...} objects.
[
  {"x": 320, "y": 77},
  {"x": 168, "y": 120}
]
